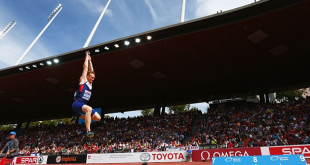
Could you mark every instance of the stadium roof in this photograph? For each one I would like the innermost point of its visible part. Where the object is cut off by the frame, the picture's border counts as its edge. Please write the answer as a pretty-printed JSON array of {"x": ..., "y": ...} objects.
[{"x": 263, "y": 46}]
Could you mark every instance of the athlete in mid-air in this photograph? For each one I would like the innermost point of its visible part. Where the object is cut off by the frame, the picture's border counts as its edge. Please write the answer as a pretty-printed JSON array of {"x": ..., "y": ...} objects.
[{"x": 83, "y": 94}]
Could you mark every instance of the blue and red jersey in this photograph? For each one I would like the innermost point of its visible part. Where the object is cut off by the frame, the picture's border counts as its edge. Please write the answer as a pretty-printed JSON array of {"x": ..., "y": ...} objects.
[{"x": 84, "y": 92}]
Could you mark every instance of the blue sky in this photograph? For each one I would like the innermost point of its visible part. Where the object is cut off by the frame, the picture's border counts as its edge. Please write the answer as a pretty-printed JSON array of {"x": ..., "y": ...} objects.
[{"x": 71, "y": 28}]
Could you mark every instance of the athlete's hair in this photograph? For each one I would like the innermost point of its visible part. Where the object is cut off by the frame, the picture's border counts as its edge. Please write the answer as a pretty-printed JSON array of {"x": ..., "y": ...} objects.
[{"x": 90, "y": 72}]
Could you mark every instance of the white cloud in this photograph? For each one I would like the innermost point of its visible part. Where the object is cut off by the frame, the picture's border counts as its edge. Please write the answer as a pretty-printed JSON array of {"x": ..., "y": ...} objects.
[
  {"x": 208, "y": 7},
  {"x": 108, "y": 12},
  {"x": 94, "y": 6},
  {"x": 152, "y": 11}
]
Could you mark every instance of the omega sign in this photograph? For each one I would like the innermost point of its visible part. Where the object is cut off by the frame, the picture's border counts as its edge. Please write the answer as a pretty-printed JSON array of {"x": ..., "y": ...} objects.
[
  {"x": 200, "y": 155},
  {"x": 205, "y": 155}
]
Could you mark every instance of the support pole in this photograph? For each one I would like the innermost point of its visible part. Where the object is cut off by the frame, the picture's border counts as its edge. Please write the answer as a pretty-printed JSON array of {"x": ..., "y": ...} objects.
[
  {"x": 96, "y": 25},
  {"x": 183, "y": 11}
]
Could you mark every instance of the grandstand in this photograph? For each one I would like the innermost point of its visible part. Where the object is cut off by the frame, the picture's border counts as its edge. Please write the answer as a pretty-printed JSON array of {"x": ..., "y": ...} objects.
[
  {"x": 259, "y": 125},
  {"x": 177, "y": 71}
]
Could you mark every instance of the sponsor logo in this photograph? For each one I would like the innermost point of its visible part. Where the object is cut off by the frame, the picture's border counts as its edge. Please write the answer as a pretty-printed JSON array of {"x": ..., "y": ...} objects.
[
  {"x": 274, "y": 158},
  {"x": 88, "y": 157},
  {"x": 58, "y": 159},
  {"x": 283, "y": 158},
  {"x": 167, "y": 156},
  {"x": 295, "y": 150},
  {"x": 145, "y": 157},
  {"x": 228, "y": 159},
  {"x": 40, "y": 159},
  {"x": 26, "y": 160},
  {"x": 205, "y": 155},
  {"x": 68, "y": 159},
  {"x": 236, "y": 160},
  {"x": 86, "y": 95}
]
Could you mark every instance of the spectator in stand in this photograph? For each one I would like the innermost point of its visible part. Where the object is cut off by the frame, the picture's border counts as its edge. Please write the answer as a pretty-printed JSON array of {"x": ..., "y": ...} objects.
[
  {"x": 287, "y": 122},
  {"x": 230, "y": 144},
  {"x": 213, "y": 141}
]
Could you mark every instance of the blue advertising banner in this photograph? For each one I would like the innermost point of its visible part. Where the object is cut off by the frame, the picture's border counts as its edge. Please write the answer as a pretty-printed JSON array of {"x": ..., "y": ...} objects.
[{"x": 261, "y": 160}]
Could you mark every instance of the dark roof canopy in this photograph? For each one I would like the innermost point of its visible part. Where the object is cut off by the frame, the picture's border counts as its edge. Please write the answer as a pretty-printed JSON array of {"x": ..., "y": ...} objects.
[{"x": 263, "y": 46}]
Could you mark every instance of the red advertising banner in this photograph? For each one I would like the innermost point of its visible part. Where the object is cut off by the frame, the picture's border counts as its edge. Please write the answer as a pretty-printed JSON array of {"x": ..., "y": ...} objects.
[
  {"x": 27, "y": 160},
  {"x": 201, "y": 155},
  {"x": 291, "y": 150}
]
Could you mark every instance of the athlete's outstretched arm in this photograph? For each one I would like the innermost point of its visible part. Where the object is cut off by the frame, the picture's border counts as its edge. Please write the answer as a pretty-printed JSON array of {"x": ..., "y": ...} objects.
[
  {"x": 90, "y": 65},
  {"x": 85, "y": 69}
]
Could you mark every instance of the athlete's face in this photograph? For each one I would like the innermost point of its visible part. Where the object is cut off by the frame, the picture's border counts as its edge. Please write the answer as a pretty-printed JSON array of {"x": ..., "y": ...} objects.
[{"x": 91, "y": 78}]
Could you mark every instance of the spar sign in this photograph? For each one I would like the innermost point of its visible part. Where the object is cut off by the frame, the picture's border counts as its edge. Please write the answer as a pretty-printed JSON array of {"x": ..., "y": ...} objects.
[
  {"x": 30, "y": 160},
  {"x": 26, "y": 160},
  {"x": 201, "y": 155},
  {"x": 290, "y": 150}
]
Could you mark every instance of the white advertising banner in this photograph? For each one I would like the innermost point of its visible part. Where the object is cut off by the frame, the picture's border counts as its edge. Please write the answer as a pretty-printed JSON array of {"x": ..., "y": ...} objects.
[{"x": 176, "y": 156}]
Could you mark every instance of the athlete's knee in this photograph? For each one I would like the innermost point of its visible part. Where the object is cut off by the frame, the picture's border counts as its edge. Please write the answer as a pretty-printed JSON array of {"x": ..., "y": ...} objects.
[
  {"x": 87, "y": 109},
  {"x": 96, "y": 117}
]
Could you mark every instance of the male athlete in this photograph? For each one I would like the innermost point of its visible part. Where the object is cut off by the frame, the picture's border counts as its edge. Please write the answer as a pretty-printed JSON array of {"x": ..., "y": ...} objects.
[{"x": 83, "y": 94}]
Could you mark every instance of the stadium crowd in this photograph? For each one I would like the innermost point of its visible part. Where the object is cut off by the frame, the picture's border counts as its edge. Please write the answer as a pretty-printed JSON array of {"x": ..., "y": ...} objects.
[
  {"x": 256, "y": 125},
  {"x": 136, "y": 134},
  {"x": 271, "y": 124}
]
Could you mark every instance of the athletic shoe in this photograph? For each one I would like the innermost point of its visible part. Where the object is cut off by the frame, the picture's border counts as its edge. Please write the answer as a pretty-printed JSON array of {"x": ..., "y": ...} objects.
[
  {"x": 75, "y": 117},
  {"x": 90, "y": 134}
]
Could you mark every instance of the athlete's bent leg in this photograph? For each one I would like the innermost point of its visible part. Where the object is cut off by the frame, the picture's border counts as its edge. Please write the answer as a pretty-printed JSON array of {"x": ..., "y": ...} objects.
[
  {"x": 95, "y": 116},
  {"x": 88, "y": 110}
]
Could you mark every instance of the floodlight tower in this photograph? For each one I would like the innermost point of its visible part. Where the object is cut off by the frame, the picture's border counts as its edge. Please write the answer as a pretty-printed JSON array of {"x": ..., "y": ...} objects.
[
  {"x": 96, "y": 25},
  {"x": 7, "y": 29},
  {"x": 183, "y": 11},
  {"x": 50, "y": 19}
]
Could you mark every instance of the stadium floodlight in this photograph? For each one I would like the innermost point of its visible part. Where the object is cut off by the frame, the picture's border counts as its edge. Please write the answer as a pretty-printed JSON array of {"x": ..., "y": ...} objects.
[
  {"x": 97, "y": 50},
  {"x": 138, "y": 40},
  {"x": 27, "y": 67},
  {"x": 126, "y": 43},
  {"x": 48, "y": 62},
  {"x": 50, "y": 20},
  {"x": 7, "y": 29},
  {"x": 41, "y": 63},
  {"x": 34, "y": 65},
  {"x": 56, "y": 60},
  {"x": 106, "y": 48},
  {"x": 56, "y": 10},
  {"x": 149, "y": 37},
  {"x": 21, "y": 69},
  {"x": 116, "y": 45}
]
